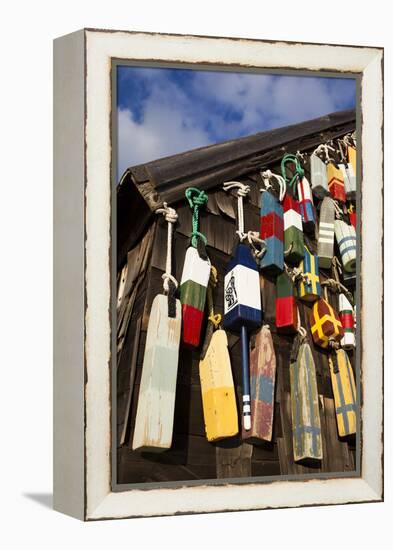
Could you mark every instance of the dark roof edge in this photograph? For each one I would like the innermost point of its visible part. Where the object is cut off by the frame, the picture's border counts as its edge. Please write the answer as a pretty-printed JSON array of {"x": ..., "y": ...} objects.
[{"x": 165, "y": 179}]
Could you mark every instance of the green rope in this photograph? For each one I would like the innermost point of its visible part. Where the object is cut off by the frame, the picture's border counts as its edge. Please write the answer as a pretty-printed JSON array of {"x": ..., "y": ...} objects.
[
  {"x": 298, "y": 173},
  {"x": 196, "y": 198}
]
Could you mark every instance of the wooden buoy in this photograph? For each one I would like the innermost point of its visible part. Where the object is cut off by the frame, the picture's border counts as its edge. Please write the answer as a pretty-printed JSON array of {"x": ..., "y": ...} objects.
[
  {"x": 193, "y": 286},
  {"x": 349, "y": 180},
  {"x": 195, "y": 276},
  {"x": 242, "y": 298},
  {"x": 306, "y": 423},
  {"x": 293, "y": 231},
  {"x": 309, "y": 287},
  {"x": 262, "y": 383},
  {"x": 344, "y": 392},
  {"x": 347, "y": 321},
  {"x": 306, "y": 204},
  {"x": 325, "y": 324},
  {"x": 242, "y": 310},
  {"x": 156, "y": 401},
  {"x": 218, "y": 391},
  {"x": 326, "y": 233},
  {"x": 346, "y": 240},
  {"x": 335, "y": 179},
  {"x": 286, "y": 308},
  {"x": 272, "y": 226},
  {"x": 293, "y": 227},
  {"x": 352, "y": 157},
  {"x": 318, "y": 176}
]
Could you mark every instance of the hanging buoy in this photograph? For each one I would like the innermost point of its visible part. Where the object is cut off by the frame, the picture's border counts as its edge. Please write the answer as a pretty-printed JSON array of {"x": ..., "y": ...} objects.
[
  {"x": 318, "y": 176},
  {"x": 195, "y": 275},
  {"x": 156, "y": 401},
  {"x": 352, "y": 158},
  {"x": 325, "y": 324},
  {"x": 306, "y": 204},
  {"x": 293, "y": 231},
  {"x": 306, "y": 423},
  {"x": 218, "y": 391},
  {"x": 349, "y": 180},
  {"x": 272, "y": 225},
  {"x": 293, "y": 227},
  {"x": 347, "y": 321},
  {"x": 346, "y": 240},
  {"x": 310, "y": 287},
  {"x": 344, "y": 392},
  {"x": 262, "y": 382},
  {"x": 242, "y": 297},
  {"x": 326, "y": 233},
  {"x": 286, "y": 308},
  {"x": 335, "y": 182}
]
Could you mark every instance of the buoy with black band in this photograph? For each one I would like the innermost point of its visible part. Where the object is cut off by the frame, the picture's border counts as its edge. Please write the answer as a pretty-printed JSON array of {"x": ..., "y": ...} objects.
[{"x": 242, "y": 296}]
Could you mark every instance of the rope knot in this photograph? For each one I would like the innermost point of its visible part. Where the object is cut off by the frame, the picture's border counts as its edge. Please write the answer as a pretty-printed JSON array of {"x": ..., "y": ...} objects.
[
  {"x": 196, "y": 197},
  {"x": 268, "y": 175},
  {"x": 170, "y": 216},
  {"x": 169, "y": 213},
  {"x": 298, "y": 172},
  {"x": 242, "y": 188},
  {"x": 255, "y": 241},
  {"x": 215, "y": 320}
]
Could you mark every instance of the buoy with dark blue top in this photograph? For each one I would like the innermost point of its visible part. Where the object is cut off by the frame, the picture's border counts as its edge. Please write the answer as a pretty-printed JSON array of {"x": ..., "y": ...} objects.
[{"x": 242, "y": 298}]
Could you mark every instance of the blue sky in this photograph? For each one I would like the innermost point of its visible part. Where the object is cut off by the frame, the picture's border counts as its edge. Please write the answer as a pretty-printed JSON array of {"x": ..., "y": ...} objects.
[{"x": 162, "y": 112}]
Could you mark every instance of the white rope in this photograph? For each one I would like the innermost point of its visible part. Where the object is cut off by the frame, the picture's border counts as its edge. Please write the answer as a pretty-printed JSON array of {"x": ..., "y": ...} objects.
[
  {"x": 323, "y": 149},
  {"x": 301, "y": 330},
  {"x": 350, "y": 139},
  {"x": 170, "y": 216},
  {"x": 242, "y": 191},
  {"x": 343, "y": 151},
  {"x": 339, "y": 211},
  {"x": 267, "y": 175},
  {"x": 254, "y": 240}
]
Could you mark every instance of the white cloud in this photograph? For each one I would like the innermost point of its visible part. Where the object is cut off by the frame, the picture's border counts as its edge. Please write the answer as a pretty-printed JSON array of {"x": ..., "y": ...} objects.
[
  {"x": 167, "y": 128},
  {"x": 216, "y": 106}
]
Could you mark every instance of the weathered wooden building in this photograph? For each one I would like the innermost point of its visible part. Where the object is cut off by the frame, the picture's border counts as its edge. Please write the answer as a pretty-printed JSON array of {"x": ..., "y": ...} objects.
[{"x": 141, "y": 247}]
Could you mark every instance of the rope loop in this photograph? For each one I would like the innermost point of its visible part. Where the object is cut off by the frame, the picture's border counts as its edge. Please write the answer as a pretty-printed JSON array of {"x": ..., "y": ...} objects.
[
  {"x": 298, "y": 173},
  {"x": 213, "y": 280},
  {"x": 267, "y": 176},
  {"x": 333, "y": 344},
  {"x": 257, "y": 244},
  {"x": 166, "y": 277},
  {"x": 301, "y": 330},
  {"x": 338, "y": 210},
  {"x": 242, "y": 191},
  {"x": 196, "y": 198},
  {"x": 215, "y": 320},
  {"x": 169, "y": 213},
  {"x": 323, "y": 150},
  {"x": 170, "y": 284},
  {"x": 297, "y": 275},
  {"x": 242, "y": 188},
  {"x": 170, "y": 216}
]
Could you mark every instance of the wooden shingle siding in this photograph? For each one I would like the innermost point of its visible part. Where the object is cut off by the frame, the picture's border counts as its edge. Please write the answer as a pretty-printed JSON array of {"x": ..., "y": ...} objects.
[{"x": 191, "y": 456}]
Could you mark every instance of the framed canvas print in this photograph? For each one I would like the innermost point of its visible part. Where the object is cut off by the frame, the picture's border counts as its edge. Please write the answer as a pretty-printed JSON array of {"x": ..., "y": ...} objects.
[{"x": 218, "y": 269}]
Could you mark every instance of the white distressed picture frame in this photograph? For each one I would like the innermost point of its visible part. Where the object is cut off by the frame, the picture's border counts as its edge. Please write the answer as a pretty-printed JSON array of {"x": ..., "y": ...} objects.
[{"x": 83, "y": 255}]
